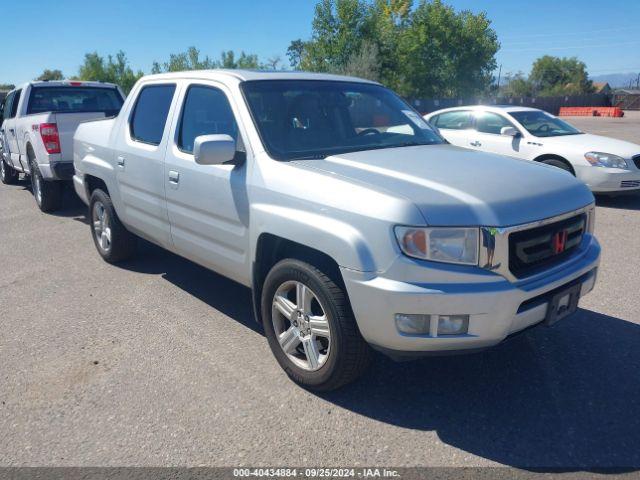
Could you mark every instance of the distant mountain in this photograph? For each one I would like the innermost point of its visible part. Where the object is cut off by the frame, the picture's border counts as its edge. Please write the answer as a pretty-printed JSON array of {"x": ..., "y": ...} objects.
[{"x": 617, "y": 80}]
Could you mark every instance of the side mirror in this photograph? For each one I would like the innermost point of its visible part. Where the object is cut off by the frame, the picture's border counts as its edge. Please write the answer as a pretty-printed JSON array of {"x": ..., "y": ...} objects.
[
  {"x": 214, "y": 149},
  {"x": 509, "y": 131}
]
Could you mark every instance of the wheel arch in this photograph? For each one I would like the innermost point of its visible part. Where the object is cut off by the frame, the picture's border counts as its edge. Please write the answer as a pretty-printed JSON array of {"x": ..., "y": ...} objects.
[
  {"x": 271, "y": 248},
  {"x": 552, "y": 156}
]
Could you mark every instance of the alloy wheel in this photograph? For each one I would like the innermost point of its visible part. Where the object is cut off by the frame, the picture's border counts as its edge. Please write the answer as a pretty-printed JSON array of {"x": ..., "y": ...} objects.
[
  {"x": 301, "y": 325},
  {"x": 101, "y": 226}
]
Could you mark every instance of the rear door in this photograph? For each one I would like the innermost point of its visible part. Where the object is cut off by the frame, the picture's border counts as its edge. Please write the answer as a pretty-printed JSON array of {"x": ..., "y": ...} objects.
[
  {"x": 207, "y": 204},
  {"x": 6, "y": 107},
  {"x": 140, "y": 149}
]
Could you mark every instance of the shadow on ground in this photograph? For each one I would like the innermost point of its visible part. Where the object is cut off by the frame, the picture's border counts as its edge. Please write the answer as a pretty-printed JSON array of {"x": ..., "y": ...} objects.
[
  {"x": 629, "y": 201},
  {"x": 561, "y": 397}
]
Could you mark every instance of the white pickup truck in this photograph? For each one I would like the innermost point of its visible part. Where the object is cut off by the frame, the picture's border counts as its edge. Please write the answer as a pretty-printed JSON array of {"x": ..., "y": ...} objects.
[
  {"x": 37, "y": 123},
  {"x": 351, "y": 219}
]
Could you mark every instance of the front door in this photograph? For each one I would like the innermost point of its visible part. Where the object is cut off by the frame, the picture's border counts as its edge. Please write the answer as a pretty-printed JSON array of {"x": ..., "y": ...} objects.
[
  {"x": 139, "y": 163},
  {"x": 9, "y": 128},
  {"x": 487, "y": 136},
  {"x": 208, "y": 204}
]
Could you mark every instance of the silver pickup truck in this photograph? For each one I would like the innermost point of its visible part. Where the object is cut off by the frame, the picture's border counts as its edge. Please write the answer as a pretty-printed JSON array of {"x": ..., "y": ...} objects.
[
  {"x": 37, "y": 123},
  {"x": 353, "y": 222}
]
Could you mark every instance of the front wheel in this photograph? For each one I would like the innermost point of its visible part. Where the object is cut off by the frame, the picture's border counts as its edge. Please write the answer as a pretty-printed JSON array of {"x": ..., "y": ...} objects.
[
  {"x": 558, "y": 164},
  {"x": 113, "y": 241},
  {"x": 310, "y": 327},
  {"x": 8, "y": 175}
]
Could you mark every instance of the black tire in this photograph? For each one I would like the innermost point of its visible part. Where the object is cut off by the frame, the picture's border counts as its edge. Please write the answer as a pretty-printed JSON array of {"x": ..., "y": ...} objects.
[
  {"x": 554, "y": 162},
  {"x": 8, "y": 175},
  {"x": 48, "y": 194},
  {"x": 122, "y": 243},
  {"x": 349, "y": 355}
]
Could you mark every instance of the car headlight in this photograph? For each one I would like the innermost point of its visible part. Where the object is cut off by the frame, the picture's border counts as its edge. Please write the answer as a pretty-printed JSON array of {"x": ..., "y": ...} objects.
[
  {"x": 599, "y": 159},
  {"x": 448, "y": 245}
]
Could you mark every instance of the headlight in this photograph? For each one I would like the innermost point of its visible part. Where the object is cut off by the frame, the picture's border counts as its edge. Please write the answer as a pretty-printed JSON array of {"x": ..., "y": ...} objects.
[
  {"x": 448, "y": 245},
  {"x": 599, "y": 159}
]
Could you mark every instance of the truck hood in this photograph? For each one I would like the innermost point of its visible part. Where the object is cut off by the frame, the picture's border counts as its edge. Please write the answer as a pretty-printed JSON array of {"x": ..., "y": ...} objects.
[
  {"x": 453, "y": 186},
  {"x": 595, "y": 143}
]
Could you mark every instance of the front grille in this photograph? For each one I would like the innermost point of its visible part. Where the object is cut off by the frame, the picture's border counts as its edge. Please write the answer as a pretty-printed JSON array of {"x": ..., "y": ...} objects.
[
  {"x": 534, "y": 250},
  {"x": 636, "y": 160},
  {"x": 629, "y": 183}
]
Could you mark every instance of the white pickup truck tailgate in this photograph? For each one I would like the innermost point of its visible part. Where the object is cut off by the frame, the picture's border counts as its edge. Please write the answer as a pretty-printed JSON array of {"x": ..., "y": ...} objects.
[{"x": 67, "y": 124}]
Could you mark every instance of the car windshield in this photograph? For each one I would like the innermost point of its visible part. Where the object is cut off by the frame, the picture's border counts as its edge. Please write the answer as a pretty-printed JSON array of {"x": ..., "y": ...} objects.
[
  {"x": 314, "y": 119},
  {"x": 543, "y": 124},
  {"x": 75, "y": 100}
]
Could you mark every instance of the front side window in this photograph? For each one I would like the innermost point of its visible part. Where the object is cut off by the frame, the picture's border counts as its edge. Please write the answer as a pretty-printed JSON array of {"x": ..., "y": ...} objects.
[
  {"x": 317, "y": 118},
  {"x": 150, "y": 113},
  {"x": 74, "y": 100},
  {"x": 488, "y": 122},
  {"x": 458, "y": 120},
  {"x": 6, "y": 110},
  {"x": 206, "y": 111},
  {"x": 543, "y": 124}
]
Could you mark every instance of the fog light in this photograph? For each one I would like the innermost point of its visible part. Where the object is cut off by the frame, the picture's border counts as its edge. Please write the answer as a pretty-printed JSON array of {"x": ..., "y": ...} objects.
[
  {"x": 413, "y": 324},
  {"x": 453, "y": 324}
]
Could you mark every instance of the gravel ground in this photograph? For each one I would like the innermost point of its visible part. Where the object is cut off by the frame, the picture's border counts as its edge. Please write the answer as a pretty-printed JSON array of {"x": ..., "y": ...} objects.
[{"x": 158, "y": 362}]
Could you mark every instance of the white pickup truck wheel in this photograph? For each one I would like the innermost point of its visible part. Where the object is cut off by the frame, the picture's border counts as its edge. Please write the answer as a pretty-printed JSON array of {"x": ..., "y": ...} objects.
[
  {"x": 113, "y": 241},
  {"x": 310, "y": 327},
  {"x": 7, "y": 174},
  {"x": 48, "y": 194}
]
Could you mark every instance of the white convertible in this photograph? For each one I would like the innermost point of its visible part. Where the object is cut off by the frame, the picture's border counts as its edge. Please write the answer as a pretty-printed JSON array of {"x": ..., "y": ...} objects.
[{"x": 605, "y": 164}]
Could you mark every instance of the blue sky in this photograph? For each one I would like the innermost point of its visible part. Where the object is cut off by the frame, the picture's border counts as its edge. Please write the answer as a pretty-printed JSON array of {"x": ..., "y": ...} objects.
[{"x": 57, "y": 34}]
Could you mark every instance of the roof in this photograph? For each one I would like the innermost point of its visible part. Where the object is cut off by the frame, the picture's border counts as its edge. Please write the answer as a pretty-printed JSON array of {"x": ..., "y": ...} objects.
[
  {"x": 600, "y": 86},
  {"x": 65, "y": 83},
  {"x": 488, "y": 108},
  {"x": 249, "y": 75}
]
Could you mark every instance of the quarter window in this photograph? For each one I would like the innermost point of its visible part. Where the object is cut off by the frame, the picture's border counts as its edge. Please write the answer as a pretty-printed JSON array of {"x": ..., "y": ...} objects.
[
  {"x": 150, "y": 113},
  {"x": 206, "y": 111},
  {"x": 458, "y": 120},
  {"x": 487, "y": 122}
]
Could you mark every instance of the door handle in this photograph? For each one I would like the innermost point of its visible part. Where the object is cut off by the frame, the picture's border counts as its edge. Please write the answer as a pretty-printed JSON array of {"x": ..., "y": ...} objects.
[
  {"x": 475, "y": 144},
  {"x": 120, "y": 161},
  {"x": 174, "y": 177},
  {"x": 13, "y": 132}
]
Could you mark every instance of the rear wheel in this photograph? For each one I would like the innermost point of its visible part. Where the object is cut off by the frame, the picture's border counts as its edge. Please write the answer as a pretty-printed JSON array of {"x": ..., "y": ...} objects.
[
  {"x": 310, "y": 327},
  {"x": 48, "y": 194},
  {"x": 113, "y": 241},
  {"x": 8, "y": 175}
]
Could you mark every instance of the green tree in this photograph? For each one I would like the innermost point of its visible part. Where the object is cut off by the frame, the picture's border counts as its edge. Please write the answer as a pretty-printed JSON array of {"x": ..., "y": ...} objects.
[
  {"x": 516, "y": 85},
  {"x": 189, "y": 60},
  {"x": 560, "y": 76},
  {"x": 430, "y": 50},
  {"x": 7, "y": 86},
  {"x": 50, "y": 75},
  {"x": 112, "y": 69}
]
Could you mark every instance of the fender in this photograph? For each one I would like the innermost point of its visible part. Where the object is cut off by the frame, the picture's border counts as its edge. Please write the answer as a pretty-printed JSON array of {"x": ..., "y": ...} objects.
[{"x": 335, "y": 238}]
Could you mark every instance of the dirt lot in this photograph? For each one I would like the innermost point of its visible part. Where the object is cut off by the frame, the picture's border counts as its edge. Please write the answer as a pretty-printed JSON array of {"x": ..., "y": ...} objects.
[{"x": 158, "y": 362}]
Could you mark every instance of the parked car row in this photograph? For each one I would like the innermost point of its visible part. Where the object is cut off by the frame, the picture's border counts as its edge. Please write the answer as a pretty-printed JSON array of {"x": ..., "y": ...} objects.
[
  {"x": 351, "y": 219},
  {"x": 605, "y": 164}
]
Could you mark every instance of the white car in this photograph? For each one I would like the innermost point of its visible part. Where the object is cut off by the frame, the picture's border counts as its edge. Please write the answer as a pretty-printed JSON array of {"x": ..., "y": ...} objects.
[{"x": 605, "y": 164}]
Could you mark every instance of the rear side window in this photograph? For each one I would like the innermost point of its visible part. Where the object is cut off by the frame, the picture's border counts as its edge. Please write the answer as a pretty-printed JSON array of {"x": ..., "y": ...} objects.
[
  {"x": 14, "y": 104},
  {"x": 74, "y": 100},
  {"x": 150, "y": 113},
  {"x": 459, "y": 120},
  {"x": 206, "y": 111},
  {"x": 487, "y": 122}
]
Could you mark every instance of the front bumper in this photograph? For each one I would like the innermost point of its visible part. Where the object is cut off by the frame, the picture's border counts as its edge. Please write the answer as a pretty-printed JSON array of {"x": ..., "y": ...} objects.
[
  {"x": 497, "y": 307},
  {"x": 603, "y": 180}
]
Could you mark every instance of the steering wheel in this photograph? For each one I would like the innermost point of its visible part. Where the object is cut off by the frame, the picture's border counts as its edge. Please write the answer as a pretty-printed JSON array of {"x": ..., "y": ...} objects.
[
  {"x": 544, "y": 128},
  {"x": 368, "y": 131}
]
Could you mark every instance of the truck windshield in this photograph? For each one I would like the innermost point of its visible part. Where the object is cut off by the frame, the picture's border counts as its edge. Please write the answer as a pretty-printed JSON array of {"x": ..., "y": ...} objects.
[
  {"x": 300, "y": 119},
  {"x": 543, "y": 124},
  {"x": 74, "y": 100}
]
